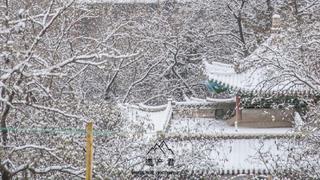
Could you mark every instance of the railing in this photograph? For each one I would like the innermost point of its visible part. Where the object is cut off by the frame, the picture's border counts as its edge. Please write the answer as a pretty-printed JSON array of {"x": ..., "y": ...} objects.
[{"x": 207, "y": 136}]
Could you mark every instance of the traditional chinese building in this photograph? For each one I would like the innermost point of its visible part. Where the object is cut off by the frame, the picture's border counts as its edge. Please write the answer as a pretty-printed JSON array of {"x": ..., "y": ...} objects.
[
  {"x": 257, "y": 86},
  {"x": 231, "y": 137}
]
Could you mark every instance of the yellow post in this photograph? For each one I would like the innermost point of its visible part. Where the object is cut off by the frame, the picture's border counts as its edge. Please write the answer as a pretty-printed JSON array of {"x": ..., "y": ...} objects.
[{"x": 89, "y": 150}]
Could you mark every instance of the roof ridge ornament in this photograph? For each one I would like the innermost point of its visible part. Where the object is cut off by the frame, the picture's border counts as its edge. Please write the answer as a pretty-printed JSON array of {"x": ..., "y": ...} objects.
[
  {"x": 276, "y": 23},
  {"x": 236, "y": 67},
  {"x": 275, "y": 30}
]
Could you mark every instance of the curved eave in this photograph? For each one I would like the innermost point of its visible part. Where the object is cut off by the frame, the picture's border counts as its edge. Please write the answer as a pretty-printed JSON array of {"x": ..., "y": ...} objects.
[{"x": 290, "y": 92}]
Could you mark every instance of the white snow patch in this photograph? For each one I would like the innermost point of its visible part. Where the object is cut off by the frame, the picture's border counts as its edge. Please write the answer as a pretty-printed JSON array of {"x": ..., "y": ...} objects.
[{"x": 298, "y": 120}]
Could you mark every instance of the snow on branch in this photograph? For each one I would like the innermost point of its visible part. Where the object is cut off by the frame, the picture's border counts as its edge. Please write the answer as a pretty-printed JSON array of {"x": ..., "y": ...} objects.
[{"x": 46, "y": 108}]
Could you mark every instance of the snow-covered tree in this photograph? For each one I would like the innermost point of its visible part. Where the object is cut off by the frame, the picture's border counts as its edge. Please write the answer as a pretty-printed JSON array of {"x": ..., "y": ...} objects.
[
  {"x": 293, "y": 55},
  {"x": 44, "y": 49}
]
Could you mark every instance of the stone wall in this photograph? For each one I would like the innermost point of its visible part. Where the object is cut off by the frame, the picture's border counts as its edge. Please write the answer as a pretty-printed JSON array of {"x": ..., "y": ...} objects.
[{"x": 265, "y": 118}]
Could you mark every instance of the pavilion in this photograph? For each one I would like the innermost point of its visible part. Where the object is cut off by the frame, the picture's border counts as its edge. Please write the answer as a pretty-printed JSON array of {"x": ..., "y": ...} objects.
[{"x": 249, "y": 79}]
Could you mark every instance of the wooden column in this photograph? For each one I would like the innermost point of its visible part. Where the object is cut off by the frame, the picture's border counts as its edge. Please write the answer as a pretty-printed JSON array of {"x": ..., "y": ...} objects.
[
  {"x": 89, "y": 150},
  {"x": 238, "y": 110}
]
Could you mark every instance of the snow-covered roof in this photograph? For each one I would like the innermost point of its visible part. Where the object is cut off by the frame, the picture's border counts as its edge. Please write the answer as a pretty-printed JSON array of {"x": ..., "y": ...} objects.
[
  {"x": 264, "y": 78},
  {"x": 228, "y": 154},
  {"x": 224, "y": 156},
  {"x": 203, "y": 144}
]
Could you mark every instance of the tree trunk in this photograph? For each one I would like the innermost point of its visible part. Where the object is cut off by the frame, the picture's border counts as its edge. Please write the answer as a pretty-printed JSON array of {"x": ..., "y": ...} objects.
[
  {"x": 269, "y": 9},
  {"x": 3, "y": 122},
  {"x": 295, "y": 7},
  {"x": 5, "y": 175},
  {"x": 238, "y": 17},
  {"x": 239, "y": 22}
]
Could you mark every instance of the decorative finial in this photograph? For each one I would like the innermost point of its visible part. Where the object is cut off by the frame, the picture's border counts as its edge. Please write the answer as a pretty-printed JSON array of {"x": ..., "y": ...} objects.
[{"x": 276, "y": 21}]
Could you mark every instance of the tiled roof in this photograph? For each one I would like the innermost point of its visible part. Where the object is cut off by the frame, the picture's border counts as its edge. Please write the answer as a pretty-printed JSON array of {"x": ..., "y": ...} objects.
[{"x": 257, "y": 78}]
